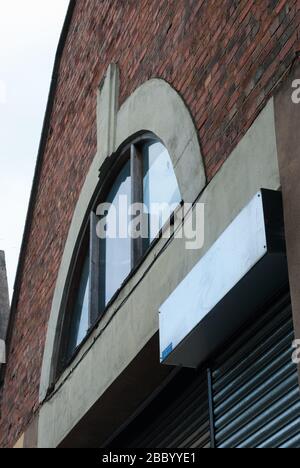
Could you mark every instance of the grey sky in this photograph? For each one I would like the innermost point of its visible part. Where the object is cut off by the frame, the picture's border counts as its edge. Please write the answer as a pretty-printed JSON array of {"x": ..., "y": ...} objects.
[{"x": 29, "y": 33}]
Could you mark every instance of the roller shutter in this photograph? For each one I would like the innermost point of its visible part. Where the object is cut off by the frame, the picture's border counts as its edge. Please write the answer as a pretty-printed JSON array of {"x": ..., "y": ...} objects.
[
  {"x": 184, "y": 424},
  {"x": 178, "y": 419},
  {"x": 249, "y": 398},
  {"x": 256, "y": 395}
]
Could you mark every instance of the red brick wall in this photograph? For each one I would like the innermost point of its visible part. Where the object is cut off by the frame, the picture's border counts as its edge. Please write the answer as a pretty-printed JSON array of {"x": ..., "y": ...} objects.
[{"x": 223, "y": 56}]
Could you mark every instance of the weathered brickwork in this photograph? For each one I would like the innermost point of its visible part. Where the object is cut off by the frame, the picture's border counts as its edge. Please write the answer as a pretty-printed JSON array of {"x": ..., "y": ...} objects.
[{"x": 224, "y": 57}]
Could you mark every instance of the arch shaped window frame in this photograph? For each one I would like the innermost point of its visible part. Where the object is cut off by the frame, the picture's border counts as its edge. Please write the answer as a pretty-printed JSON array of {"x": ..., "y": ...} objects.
[
  {"x": 88, "y": 244},
  {"x": 155, "y": 106}
]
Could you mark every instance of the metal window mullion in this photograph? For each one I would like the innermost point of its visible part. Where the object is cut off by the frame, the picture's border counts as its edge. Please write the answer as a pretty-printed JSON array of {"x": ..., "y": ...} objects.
[
  {"x": 137, "y": 196},
  {"x": 211, "y": 409},
  {"x": 94, "y": 294}
]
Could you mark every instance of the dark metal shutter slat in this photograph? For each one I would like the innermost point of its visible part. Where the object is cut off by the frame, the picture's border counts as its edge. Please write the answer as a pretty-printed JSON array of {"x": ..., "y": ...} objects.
[
  {"x": 295, "y": 442},
  {"x": 189, "y": 415},
  {"x": 243, "y": 344},
  {"x": 189, "y": 429},
  {"x": 166, "y": 422},
  {"x": 254, "y": 405},
  {"x": 197, "y": 440},
  {"x": 262, "y": 425},
  {"x": 273, "y": 428},
  {"x": 281, "y": 437},
  {"x": 252, "y": 391},
  {"x": 255, "y": 386},
  {"x": 256, "y": 360},
  {"x": 264, "y": 342},
  {"x": 184, "y": 424}
]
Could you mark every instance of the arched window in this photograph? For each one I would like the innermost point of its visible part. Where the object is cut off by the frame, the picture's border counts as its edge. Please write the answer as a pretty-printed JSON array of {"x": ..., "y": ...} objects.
[
  {"x": 80, "y": 307},
  {"x": 127, "y": 218}
]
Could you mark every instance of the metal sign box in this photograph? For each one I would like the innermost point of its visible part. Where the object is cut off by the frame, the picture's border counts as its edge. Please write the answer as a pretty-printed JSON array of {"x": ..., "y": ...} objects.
[{"x": 229, "y": 285}]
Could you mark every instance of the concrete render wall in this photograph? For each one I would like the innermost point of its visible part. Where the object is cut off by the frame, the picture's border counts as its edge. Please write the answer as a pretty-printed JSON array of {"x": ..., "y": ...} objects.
[
  {"x": 123, "y": 335},
  {"x": 157, "y": 107},
  {"x": 224, "y": 58},
  {"x": 287, "y": 132}
]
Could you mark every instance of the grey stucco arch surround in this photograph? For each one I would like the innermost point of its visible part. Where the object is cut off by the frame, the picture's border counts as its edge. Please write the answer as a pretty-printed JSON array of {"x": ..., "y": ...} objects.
[{"x": 155, "y": 107}]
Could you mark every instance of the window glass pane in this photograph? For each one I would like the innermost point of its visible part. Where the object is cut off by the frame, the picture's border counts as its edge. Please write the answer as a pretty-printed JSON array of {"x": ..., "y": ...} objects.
[
  {"x": 80, "y": 317},
  {"x": 161, "y": 191},
  {"x": 115, "y": 250},
  {"x": 161, "y": 197}
]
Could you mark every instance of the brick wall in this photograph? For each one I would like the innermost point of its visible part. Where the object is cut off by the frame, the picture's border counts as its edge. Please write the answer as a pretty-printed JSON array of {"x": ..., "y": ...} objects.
[{"x": 223, "y": 56}]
